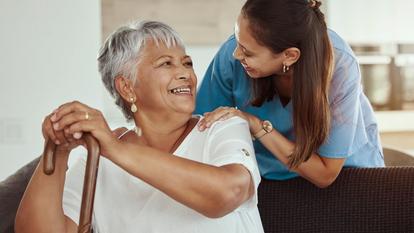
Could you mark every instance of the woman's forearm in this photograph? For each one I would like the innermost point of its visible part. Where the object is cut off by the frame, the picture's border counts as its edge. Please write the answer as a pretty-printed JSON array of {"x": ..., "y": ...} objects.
[
  {"x": 210, "y": 190},
  {"x": 40, "y": 209},
  {"x": 318, "y": 170}
]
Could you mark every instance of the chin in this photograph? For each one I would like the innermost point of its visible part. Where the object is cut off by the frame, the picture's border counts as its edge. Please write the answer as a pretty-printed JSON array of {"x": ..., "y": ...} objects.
[
  {"x": 257, "y": 75},
  {"x": 253, "y": 75},
  {"x": 188, "y": 109}
]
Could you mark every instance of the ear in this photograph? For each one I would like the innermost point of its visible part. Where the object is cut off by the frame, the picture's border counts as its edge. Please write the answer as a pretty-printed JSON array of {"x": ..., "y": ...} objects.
[
  {"x": 125, "y": 88},
  {"x": 291, "y": 55}
]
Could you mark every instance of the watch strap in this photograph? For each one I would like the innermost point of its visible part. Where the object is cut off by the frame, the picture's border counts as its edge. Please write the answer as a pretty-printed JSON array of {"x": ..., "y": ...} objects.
[
  {"x": 260, "y": 134},
  {"x": 266, "y": 128}
]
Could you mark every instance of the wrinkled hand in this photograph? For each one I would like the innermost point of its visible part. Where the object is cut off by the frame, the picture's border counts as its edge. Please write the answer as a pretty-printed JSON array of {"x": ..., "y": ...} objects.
[
  {"x": 66, "y": 125},
  {"x": 224, "y": 113},
  {"x": 62, "y": 139}
]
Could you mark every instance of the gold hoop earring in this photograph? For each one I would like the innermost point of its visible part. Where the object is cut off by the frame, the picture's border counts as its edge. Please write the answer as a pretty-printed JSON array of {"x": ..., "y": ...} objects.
[
  {"x": 134, "y": 108},
  {"x": 285, "y": 68}
]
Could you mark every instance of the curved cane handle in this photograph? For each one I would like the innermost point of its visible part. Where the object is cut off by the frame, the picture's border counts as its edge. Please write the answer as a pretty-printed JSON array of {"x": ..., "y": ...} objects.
[
  {"x": 89, "y": 183},
  {"x": 49, "y": 157}
]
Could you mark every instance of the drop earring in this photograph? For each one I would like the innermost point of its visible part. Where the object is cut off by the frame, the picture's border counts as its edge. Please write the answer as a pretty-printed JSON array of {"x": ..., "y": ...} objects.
[
  {"x": 285, "y": 68},
  {"x": 134, "y": 108}
]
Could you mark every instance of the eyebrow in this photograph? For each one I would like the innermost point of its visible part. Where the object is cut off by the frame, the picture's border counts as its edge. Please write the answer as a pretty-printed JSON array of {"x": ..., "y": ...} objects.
[
  {"x": 163, "y": 56},
  {"x": 171, "y": 57}
]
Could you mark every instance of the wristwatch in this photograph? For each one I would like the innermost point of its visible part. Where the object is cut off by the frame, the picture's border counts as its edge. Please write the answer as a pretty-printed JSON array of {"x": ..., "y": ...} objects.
[{"x": 267, "y": 127}]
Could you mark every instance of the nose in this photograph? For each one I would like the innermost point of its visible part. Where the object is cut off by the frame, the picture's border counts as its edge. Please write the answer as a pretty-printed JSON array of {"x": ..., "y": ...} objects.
[
  {"x": 183, "y": 73},
  {"x": 183, "y": 77},
  {"x": 237, "y": 54}
]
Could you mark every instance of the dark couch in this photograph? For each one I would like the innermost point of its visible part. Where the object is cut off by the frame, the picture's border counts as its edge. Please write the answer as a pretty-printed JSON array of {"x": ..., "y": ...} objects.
[{"x": 360, "y": 200}]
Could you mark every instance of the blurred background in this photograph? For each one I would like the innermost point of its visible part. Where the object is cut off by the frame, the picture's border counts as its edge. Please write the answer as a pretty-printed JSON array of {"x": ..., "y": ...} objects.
[{"x": 48, "y": 54}]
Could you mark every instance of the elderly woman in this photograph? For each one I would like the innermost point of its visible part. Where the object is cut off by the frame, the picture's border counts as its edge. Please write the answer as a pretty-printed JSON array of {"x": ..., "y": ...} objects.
[{"x": 163, "y": 176}]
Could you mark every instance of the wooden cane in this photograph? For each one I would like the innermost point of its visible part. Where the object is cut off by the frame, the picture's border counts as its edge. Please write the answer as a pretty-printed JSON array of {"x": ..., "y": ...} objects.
[{"x": 89, "y": 183}]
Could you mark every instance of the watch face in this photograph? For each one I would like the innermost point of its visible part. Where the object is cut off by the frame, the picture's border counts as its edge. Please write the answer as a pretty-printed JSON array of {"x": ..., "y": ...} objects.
[{"x": 267, "y": 126}]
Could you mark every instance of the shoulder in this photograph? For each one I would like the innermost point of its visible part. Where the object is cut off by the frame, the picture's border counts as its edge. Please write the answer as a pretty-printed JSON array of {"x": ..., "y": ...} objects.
[
  {"x": 346, "y": 67},
  {"x": 234, "y": 125},
  {"x": 340, "y": 46},
  {"x": 230, "y": 122},
  {"x": 343, "y": 54}
]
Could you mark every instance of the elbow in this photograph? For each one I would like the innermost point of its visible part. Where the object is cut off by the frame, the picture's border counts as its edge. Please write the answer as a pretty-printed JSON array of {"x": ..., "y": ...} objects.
[
  {"x": 214, "y": 214},
  {"x": 228, "y": 200},
  {"x": 327, "y": 175},
  {"x": 221, "y": 206},
  {"x": 326, "y": 180},
  {"x": 323, "y": 184}
]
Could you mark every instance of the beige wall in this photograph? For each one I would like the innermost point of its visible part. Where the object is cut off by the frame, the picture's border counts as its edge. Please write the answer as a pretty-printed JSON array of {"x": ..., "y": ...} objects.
[
  {"x": 399, "y": 140},
  {"x": 199, "y": 22}
]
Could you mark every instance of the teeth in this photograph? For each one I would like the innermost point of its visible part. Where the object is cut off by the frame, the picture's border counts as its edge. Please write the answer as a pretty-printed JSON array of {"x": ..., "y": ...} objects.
[{"x": 181, "y": 90}]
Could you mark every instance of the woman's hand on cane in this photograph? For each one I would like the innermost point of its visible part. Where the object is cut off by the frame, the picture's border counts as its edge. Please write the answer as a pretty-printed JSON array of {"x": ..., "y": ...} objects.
[{"x": 75, "y": 118}]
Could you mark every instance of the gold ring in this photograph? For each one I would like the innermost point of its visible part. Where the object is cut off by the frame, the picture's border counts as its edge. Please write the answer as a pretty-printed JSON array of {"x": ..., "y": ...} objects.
[{"x": 86, "y": 116}]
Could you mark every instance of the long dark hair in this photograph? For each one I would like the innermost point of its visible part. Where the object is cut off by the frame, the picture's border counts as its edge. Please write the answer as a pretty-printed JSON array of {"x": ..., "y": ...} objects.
[{"x": 282, "y": 24}]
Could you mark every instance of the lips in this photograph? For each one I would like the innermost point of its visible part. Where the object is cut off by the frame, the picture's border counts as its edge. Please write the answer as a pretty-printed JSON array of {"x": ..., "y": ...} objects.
[{"x": 246, "y": 67}]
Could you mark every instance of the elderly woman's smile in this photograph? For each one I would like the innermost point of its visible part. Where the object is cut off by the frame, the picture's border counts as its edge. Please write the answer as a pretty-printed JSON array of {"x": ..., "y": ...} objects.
[{"x": 185, "y": 90}]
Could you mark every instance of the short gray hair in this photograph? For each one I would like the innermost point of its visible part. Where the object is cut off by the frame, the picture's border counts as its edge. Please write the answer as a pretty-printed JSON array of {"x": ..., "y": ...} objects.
[{"x": 121, "y": 52}]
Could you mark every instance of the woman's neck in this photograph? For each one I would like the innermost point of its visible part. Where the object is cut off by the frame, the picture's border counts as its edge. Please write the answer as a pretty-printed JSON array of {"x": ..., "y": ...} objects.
[
  {"x": 284, "y": 87},
  {"x": 162, "y": 132}
]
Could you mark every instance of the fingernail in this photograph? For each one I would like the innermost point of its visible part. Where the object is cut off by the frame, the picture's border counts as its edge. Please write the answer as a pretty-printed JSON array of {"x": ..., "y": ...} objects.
[
  {"x": 67, "y": 130},
  {"x": 53, "y": 118},
  {"x": 56, "y": 126},
  {"x": 57, "y": 142}
]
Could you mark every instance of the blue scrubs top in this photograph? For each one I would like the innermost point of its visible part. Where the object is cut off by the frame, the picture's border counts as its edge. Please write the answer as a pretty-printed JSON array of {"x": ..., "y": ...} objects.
[{"x": 354, "y": 131}]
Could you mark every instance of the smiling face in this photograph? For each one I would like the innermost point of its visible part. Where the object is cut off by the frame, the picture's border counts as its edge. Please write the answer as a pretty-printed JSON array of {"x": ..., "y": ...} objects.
[
  {"x": 166, "y": 82},
  {"x": 258, "y": 60}
]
